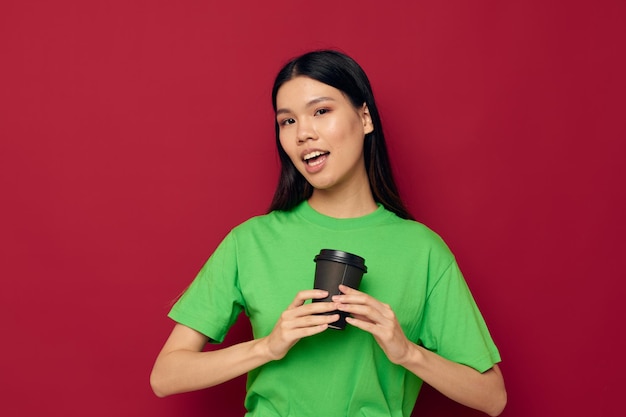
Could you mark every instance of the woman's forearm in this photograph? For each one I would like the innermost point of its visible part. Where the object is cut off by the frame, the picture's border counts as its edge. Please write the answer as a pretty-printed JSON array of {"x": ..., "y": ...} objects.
[
  {"x": 182, "y": 365},
  {"x": 183, "y": 370},
  {"x": 481, "y": 391}
]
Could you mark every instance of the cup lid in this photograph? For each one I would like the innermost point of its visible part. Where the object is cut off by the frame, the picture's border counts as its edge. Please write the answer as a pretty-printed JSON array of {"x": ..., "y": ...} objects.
[{"x": 341, "y": 256}]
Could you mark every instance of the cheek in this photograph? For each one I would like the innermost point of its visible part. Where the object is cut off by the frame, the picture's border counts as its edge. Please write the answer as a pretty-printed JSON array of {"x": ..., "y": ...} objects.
[
  {"x": 348, "y": 135},
  {"x": 289, "y": 149},
  {"x": 332, "y": 127},
  {"x": 283, "y": 142}
]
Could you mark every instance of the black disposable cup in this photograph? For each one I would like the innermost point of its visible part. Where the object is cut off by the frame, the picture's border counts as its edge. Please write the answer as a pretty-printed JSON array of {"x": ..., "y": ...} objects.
[{"x": 335, "y": 267}]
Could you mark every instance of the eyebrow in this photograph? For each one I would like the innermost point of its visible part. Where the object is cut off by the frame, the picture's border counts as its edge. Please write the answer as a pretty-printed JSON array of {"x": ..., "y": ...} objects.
[{"x": 309, "y": 104}]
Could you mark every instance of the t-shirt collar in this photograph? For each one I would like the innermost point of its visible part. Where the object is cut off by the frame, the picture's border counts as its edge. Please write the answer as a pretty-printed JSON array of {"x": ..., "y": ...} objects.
[{"x": 380, "y": 215}]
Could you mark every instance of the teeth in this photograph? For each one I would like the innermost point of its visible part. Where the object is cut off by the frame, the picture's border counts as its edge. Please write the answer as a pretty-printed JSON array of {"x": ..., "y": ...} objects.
[
  {"x": 313, "y": 155},
  {"x": 314, "y": 163}
]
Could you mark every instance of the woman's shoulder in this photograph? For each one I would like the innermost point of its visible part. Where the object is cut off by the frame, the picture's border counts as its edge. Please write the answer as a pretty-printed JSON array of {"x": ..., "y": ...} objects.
[
  {"x": 413, "y": 226},
  {"x": 418, "y": 233},
  {"x": 261, "y": 221}
]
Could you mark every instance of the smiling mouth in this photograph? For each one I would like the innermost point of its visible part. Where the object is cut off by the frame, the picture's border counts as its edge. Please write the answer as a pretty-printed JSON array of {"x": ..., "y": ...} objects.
[{"x": 315, "y": 158}]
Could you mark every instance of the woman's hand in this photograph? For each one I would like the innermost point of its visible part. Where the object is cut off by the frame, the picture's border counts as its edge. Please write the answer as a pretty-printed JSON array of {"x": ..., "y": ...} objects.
[
  {"x": 182, "y": 366},
  {"x": 482, "y": 391},
  {"x": 300, "y": 320},
  {"x": 377, "y": 318}
]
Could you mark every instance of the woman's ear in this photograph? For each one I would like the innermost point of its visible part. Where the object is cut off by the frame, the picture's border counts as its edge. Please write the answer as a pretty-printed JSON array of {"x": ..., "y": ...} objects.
[{"x": 368, "y": 126}]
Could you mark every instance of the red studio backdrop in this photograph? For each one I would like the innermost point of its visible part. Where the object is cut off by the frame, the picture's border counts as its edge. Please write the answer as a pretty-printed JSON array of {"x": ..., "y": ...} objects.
[{"x": 135, "y": 134}]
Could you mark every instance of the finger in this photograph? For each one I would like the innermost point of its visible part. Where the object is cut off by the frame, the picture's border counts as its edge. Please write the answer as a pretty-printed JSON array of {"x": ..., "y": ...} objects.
[
  {"x": 287, "y": 332},
  {"x": 305, "y": 310},
  {"x": 302, "y": 332},
  {"x": 361, "y": 318},
  {"x": 368, "y": 308},
  {"x": 304, "y": 295},
  {"x": 348, "y": 293},
  {"x": 364, "y": 313},
  {"x": 358, "y": 309},
  {"x": 382, "y": 333},
  {"x": 317, "y": 320},
  {"x": 362, "y": 324},
  {"x": 294, "y": 326},
  {"x": 352, "y": 296},
  {"x": 349, "y": 290},
  {"x": 315, "y": 308},
  {"x": 353, "y": 299}
]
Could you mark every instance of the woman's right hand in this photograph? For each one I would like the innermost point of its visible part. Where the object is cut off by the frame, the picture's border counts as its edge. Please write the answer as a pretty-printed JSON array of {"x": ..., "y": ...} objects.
[
  {"x": 300, "y": 320},
  {"x": 182, "y": 366}
]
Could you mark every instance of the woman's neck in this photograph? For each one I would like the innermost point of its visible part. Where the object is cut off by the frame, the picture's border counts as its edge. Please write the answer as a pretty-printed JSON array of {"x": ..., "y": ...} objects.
[{"x": 343, "y": 204}]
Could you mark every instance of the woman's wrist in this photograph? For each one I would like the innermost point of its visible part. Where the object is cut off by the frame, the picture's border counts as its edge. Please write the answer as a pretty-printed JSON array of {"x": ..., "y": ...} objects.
[
  {"x": 262, "y": 348},
  {"x": 414, "y": 357}
]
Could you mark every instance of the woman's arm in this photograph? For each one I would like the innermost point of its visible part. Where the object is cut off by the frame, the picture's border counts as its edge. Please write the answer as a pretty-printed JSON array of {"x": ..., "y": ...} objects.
[
  {"x": 482, "y": 391},
  {"x": 181, "y": 365}
]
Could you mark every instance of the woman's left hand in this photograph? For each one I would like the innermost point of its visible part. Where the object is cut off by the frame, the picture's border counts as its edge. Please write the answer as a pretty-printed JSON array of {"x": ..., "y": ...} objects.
[
  {"x": 377, "y": 318},
  {"x": 483, "y": 391}
]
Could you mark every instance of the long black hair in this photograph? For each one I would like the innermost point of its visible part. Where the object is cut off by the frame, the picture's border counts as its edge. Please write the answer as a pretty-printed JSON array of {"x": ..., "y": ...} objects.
[{"x": 343, "y": 73}]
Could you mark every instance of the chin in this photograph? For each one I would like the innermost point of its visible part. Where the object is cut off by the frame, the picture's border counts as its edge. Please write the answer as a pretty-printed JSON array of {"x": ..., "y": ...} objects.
[{"x": 317, "y": 184}]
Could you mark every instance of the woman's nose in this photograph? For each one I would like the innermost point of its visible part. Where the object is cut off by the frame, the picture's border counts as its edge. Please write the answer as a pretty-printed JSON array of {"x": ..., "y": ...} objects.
[{"x": 306, "y": 131}]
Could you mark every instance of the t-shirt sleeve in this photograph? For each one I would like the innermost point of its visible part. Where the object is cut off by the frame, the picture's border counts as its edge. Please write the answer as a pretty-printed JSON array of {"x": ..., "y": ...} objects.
[
  {"x": 453, "y": 327},
  {"x": 213, "y": 301}
]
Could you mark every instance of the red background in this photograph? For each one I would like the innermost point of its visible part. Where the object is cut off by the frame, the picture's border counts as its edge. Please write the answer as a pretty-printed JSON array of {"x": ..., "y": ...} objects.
[{"x": 135, "y": 134}]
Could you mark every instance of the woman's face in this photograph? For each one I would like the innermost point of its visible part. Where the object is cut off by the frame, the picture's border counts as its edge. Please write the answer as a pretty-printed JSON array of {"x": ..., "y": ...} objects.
[{"x": 323, "y": 133}]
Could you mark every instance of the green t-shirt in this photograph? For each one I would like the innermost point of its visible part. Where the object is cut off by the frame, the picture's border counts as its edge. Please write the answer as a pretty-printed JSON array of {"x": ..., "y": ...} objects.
[{"x": 261, "y": 265}]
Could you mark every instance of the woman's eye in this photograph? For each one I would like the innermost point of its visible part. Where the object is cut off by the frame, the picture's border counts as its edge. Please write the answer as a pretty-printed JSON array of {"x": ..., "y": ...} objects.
[
  {"x": 321, "y": 111},
  {"x": 286, "y": 122}
]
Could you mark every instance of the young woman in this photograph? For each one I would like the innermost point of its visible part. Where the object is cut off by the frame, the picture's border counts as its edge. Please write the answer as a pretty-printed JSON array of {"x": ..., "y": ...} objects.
[{"x": 413, "y": 318}]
